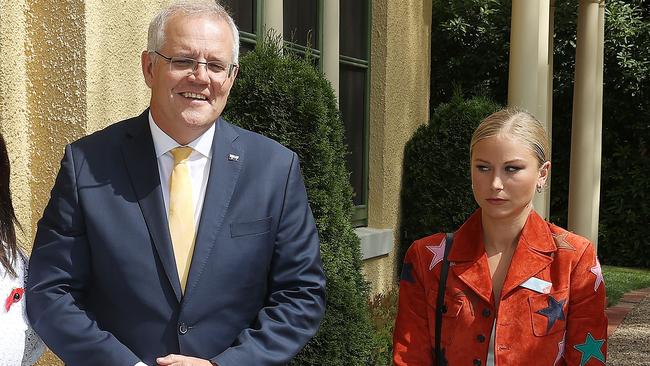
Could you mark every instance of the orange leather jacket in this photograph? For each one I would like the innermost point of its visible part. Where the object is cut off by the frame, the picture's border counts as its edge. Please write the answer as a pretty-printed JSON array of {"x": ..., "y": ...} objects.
[{"x": 552, "y": 306}]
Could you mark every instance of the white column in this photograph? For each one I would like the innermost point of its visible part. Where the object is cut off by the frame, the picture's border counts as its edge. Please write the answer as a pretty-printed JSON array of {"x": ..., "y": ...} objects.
[
  {"x": 584, "y": 191},
  {"x": 598, "y": 128},
  {"x": 272, "y": 15},
  {"x": 528, "y": 80},
  {"x": 330, "y": 52}
]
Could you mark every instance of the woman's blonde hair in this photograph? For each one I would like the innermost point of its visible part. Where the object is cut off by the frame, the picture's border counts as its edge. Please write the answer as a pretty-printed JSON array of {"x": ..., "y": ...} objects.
[{"x": 519, "y": 124}]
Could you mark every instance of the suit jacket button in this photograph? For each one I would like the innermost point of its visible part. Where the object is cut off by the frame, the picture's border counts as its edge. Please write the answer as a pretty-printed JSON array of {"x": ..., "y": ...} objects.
[
  {"x": 487, "y": 312},
  {"x": 477, "y": 362},
  {"x": 480, "y": 338},
  {"x": 182, "y": 328}
]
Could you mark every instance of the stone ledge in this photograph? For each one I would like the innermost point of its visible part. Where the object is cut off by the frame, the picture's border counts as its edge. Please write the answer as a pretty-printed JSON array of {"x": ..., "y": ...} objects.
[
  {"x": 617, "y": 313},
  {"x": 374, "y": 242}
]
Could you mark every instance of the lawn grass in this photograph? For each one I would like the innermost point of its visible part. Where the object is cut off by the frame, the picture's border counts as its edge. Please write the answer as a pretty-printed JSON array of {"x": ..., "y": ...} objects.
[{"x": 619, "y": 280}]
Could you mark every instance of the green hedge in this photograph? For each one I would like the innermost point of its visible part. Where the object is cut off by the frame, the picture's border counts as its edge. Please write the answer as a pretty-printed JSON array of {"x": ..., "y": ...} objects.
[
  {"x": 284, "y": 97},
  {"x": 436, "y": 189}
]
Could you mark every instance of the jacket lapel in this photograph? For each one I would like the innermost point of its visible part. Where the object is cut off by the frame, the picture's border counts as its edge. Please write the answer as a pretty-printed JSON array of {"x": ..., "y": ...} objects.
[
  {"x": 226, "y": 164},
  {"x": 140, "y": 159},
  {"x": 532, "y": 255},
  {"x": 469, "y": 259}
]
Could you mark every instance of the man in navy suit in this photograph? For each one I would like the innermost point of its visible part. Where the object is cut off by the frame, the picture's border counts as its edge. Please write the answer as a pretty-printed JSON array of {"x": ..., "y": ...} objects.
[{"x": 112, "y": 282}]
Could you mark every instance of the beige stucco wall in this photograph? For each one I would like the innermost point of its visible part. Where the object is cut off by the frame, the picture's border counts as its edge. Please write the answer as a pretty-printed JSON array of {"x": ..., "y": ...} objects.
[
  {"x": 69, "y": 68},
  {"x": 399, "y": 103}
]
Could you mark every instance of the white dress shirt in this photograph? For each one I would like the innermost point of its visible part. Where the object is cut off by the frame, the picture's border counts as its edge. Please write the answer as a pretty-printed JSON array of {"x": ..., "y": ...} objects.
[{"x": 198, "y": 164}]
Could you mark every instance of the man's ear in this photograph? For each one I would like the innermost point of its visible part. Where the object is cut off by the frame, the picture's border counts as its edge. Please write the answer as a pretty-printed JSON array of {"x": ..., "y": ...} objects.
[
  {"x": 146, "y": 60},
  {"x": 235, "y": 72}
]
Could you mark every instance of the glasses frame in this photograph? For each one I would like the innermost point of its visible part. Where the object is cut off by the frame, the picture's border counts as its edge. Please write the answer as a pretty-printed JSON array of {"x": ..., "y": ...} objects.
[{"x": 229, "y": 68}]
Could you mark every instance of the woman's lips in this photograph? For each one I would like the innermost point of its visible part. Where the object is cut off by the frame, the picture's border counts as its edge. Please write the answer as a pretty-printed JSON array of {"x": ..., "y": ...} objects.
[{"x": 496, "y": 201}]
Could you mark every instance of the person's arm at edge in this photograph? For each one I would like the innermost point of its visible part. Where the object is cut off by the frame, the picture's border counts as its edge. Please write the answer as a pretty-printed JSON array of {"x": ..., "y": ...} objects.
[
  {"x": 586, "y": 314},
  {"x": 296, "y": 302},
  {"x": 59, "y": 274},
  {"x": 411, "y": 340}
]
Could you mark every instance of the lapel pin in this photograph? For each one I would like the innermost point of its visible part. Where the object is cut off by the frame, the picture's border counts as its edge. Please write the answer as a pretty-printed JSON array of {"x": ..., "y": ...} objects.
[{"x": 233, "y": 157}]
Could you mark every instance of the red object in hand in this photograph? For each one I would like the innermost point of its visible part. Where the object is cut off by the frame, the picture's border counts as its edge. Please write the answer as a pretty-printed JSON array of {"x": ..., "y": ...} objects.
[{"x": 15, "y": 296}]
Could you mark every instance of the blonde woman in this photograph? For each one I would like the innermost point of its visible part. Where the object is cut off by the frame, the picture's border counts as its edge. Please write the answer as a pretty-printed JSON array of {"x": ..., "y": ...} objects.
[
  {"x": 18, "y": 342},
  {"x": 519, "y": 290}
]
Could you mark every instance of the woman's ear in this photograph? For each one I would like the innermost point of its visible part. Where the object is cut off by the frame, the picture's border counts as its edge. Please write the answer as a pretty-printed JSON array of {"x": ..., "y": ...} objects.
[{"x": 544, "y": 172}]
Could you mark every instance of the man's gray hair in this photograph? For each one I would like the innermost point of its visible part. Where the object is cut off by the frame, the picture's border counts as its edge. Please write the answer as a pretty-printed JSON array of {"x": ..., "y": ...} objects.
[{"x": 156, "y": 35}]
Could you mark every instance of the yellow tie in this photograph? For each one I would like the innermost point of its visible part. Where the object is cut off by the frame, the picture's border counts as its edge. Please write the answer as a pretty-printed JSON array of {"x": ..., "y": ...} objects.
[{"x": 181, "y": 212}]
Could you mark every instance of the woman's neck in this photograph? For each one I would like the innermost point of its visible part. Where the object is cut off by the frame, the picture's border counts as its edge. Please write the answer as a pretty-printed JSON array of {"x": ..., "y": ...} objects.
[{"x": 502, "y": 235}]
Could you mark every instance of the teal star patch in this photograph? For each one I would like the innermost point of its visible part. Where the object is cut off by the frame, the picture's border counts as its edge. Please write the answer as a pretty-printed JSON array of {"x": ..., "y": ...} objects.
[{"x": 591, "y": 349}]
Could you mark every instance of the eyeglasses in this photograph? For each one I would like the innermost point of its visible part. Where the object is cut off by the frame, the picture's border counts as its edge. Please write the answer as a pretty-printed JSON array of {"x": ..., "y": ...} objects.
[{"x": 217, "y": 71}]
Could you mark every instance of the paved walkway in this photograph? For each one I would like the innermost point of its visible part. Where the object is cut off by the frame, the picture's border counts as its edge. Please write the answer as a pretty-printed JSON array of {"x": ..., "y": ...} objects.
[{"x": 629, "y": 330}]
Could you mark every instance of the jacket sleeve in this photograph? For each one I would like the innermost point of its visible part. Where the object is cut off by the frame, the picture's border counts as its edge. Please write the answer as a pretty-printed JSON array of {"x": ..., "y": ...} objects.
[
  {"x": 296, "y": 295},
  {"x": 60, "y": 269},
  {"x": 586, "y": 332},
  {"x": 411, "y": 337}
]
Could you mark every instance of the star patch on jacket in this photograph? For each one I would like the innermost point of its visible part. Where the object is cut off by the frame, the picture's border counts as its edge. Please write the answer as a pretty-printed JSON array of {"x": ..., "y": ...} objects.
[
  {"x": 407, "y": 273},
  {"x": 553, "y": 312},
  {"x": 15, "y": 296},
  {"x": 591, "y": 349},
  {"x": 596, "y": 270},
  {"x": 438, "y": 252}
]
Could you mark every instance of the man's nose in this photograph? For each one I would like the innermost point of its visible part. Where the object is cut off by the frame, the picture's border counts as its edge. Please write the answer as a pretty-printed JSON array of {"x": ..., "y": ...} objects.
[{"x": 200, "y": 73}]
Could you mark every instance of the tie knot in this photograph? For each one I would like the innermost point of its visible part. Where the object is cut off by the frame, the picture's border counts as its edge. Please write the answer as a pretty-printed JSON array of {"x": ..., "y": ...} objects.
[{"x": 181, "y": 154}]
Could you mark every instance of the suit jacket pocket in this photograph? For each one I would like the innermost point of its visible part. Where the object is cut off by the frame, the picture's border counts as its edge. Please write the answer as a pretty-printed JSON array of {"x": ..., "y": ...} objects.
[{"x": 260, "y": 226}]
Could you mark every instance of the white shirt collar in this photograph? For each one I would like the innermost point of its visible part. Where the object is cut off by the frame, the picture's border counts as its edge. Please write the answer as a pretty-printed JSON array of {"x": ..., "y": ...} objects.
[{"x": 163, "y": 143}]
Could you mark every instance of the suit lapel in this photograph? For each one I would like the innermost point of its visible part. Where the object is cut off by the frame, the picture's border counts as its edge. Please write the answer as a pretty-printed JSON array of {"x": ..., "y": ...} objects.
[
  {"x": 222, "y": 180},
  {"x": 140, "y": 159}
]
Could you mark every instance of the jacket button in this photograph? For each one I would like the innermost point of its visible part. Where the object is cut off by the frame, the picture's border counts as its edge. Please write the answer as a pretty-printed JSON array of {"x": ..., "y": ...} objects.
[
  {"x": 182, "y": 328},
  {"x": 477, "y": 362},
  {"x": 487, "y": 312},
  {"x": 480, "y": 338}
]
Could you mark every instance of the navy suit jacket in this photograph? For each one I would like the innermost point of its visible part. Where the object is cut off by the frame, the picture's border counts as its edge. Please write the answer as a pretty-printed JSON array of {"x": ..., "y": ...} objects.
[{"x": 103, "y": 287}]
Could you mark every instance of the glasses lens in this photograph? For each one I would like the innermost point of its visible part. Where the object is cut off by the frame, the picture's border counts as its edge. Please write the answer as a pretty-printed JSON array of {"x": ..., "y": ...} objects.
[
  {"x": 185, "y": 65},
  {"x": 216, "y": 71}
]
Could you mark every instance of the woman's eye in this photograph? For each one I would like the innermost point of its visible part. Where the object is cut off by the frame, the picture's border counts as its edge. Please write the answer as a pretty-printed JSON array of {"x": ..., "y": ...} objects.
[
  {"x": 513, "y": 169},
  {"x": 482, "y": 168}
]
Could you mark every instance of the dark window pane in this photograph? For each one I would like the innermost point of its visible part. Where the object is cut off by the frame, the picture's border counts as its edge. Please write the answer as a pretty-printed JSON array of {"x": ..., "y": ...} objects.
[
  {"x": 244, "y": 47},
  {"x": 301, "y": 22},
  {"x": 353, "y": 28},
  {"x": 353, "y": 106},
  {"x": 243, "y": 13}
]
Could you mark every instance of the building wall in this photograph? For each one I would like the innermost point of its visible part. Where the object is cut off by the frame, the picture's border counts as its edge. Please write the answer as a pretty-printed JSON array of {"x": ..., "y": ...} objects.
[
  {"x": 399, "y": 104},
  {"x": 75, "y": 68}
]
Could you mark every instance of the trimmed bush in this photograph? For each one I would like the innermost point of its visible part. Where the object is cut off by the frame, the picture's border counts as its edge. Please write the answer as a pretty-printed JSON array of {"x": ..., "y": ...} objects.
[
  {"x": 470, "y": 42},
  {"x": 436, "y": 189},
  {"x": 284, "y": 97}
]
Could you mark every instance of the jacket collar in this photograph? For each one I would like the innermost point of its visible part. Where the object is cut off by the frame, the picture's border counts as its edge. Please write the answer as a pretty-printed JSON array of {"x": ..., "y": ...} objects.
[
  {"x": 535, "y": 236},
  {"x": 532, "y": 254}
]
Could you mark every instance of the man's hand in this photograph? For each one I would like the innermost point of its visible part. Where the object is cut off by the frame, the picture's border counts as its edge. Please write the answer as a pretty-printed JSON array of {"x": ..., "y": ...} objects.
[{"x": 179, "y": 360}]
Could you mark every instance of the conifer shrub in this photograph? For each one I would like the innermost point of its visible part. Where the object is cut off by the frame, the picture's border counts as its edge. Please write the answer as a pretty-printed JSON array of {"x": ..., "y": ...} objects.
[
  {"x": 436, "y": 189},
  {"x": 282, "y": 96}
]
